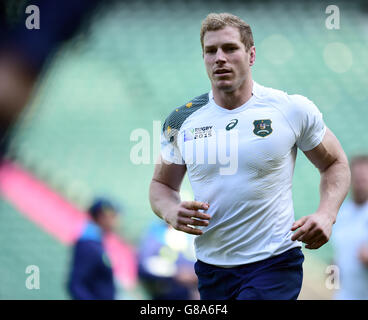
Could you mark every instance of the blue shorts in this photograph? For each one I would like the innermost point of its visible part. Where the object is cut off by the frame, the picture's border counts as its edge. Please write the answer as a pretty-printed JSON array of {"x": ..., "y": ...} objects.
[{"x": 277, "y": 278}]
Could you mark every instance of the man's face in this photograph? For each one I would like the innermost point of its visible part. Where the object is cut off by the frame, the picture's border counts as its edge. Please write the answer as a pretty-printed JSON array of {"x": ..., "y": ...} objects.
[
  {"x": 226, "y": 59},
  {"x": 359, "y": 181}
]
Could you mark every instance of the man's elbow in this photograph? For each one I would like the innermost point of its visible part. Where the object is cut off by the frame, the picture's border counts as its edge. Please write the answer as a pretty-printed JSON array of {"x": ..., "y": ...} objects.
[
  {"x": 346, "y": 169},
  {"x": 343, "y": 165},
  {"x": 340, "y": 166},
  {"x": 154, "y": 196}
]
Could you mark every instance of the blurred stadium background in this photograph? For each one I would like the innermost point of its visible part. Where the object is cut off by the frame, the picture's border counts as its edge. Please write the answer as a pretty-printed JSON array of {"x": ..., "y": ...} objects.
[{"x": 131, "y": 64}]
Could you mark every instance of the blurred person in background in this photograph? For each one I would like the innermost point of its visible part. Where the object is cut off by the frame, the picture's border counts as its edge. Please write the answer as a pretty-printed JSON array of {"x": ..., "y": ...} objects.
[
  {"x": 166, "y": 264},
  {"x": 350, "y": 236},
  {"x": 91, "y": 276},
  {"x": 24, "y": 52}
]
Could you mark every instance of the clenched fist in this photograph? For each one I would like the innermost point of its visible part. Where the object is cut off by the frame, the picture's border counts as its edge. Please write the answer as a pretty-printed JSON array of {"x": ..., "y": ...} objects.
[{"x": 185, "y": 214}]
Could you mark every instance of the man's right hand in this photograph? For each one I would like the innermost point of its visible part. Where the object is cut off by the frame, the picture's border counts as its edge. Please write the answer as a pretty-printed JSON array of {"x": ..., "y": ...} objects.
[{"x": 186, "y": 214}]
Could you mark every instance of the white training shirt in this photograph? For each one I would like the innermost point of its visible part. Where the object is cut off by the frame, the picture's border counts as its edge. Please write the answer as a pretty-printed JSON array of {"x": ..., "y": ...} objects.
[{"x": 244, "y": 173}]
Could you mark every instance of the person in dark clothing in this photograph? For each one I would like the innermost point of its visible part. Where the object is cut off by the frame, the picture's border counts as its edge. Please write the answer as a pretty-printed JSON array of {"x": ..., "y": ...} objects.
[{"x": 91, "y": 276}]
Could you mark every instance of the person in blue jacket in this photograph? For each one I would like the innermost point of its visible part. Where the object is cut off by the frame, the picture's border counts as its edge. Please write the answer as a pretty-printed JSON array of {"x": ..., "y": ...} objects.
[{"x": 91, "y": 276}]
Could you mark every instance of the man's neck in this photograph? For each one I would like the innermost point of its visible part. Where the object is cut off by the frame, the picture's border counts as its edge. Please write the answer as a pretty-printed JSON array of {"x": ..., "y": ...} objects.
[{"x": 234, "y": 99}]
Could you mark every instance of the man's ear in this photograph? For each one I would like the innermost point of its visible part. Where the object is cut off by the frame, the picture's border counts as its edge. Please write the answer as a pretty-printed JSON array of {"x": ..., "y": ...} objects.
[{"x": 252, "y": 53}]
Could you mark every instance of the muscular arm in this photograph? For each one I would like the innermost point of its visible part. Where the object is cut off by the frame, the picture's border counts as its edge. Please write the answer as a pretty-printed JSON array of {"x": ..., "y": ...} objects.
[
  {"x": 333, "y": 165},
  {"x": 165, "y": 199},
  {"x": 330, "y": 159},
  {"x": 165, "y": 187}
]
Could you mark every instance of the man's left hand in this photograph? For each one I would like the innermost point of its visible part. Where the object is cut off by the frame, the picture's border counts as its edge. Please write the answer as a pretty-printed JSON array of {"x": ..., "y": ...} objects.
[{"x": 314, "y": 230}]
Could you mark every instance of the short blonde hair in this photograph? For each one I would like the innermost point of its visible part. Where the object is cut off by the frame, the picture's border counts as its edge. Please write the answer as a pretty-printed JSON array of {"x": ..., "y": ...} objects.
[{"x": 218, "y": 21}]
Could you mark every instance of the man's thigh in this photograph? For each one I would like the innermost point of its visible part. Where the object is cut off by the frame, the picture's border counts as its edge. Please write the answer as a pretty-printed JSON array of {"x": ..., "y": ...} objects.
[
  {"x": 280, "y": 278},
  {"x": 215, "y": 283}
]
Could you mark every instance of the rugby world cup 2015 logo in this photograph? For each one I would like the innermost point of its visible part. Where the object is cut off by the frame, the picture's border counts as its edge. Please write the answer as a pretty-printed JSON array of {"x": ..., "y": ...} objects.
[
  {"x": 198, "y": 133},
  {"x": 262, "y": 128}
]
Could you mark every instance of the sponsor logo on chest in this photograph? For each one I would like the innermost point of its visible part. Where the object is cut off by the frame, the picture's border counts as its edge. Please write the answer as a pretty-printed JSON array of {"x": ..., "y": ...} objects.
[{"x": 202, "y": 132}]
